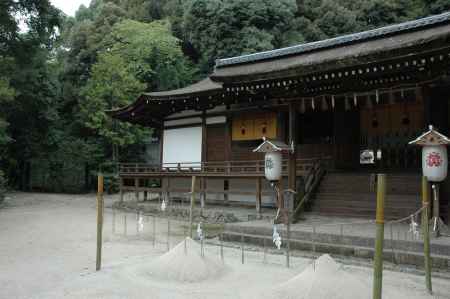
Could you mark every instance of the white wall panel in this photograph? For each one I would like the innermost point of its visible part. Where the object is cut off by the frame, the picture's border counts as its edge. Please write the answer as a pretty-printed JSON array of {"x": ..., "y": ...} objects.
[{"x": 182, "y": 145}]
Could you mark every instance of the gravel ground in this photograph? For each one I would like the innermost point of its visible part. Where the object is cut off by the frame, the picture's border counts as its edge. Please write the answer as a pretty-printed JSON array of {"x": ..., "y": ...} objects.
[{"x": 47, "y": 250}]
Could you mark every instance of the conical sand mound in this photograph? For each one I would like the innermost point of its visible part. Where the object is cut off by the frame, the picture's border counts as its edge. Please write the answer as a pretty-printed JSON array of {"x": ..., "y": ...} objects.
[
  {"x": 184, "y": 263},
  {"x": 324, "y": 280}
]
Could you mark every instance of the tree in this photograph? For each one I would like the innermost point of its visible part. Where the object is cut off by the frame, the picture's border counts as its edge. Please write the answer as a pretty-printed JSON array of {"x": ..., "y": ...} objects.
[
  {"x": 112, "y": 85},
  {"x": 220, "y": 29},
  {"x": 336, "y": 19},
  {"x": 40, "y": 17},
  {"x": 152, "y": 53},
  {"x": 6, "y": 95},
  {"x": 437, "y": 6}
]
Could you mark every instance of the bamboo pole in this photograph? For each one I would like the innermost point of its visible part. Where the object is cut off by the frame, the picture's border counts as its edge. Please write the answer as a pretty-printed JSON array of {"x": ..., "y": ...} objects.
[
  {"x": 99, "y": 222},
  {"x": 378, "y": 259},
  {"x": 191, "y": 210},
  {"x": 436, "y": 210},
  {"x": 426, "y": 233}
]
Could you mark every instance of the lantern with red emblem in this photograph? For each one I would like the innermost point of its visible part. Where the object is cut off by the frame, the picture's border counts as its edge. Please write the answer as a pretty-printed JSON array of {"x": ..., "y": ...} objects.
[{"x": 434, "y": 154}]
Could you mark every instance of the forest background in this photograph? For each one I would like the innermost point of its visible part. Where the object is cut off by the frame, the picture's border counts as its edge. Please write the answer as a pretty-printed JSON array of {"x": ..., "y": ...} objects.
[{"x": 58, "y": 74}]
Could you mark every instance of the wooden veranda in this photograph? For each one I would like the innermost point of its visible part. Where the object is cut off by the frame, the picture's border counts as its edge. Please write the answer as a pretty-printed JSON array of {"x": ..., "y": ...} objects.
[{"x": 147, "y": 178}]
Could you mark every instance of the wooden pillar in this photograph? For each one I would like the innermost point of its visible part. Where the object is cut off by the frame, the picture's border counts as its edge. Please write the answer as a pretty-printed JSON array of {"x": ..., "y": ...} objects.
[
  {"x": 100, "y": 213},
  {"x": 168, "y": 189},
  {"x": 258, "y": 197},
  {"x": 280, "y": 200},
  {"x": 226, "y": 188},
  {"x": 191, "y": 209},
  {"x": 202, "y": 194},
  {"x": 426, "y": 233},
  {"x": 121, "y": 183},
  {"x": 204, "y": 136},
  {"x": 161, "y": 145},
  {"x": 136, "y": 189},
  {"x": 228, "y": 141},
  {"x": 436, "y": 208},
  {"x": 292, "y": 162}
]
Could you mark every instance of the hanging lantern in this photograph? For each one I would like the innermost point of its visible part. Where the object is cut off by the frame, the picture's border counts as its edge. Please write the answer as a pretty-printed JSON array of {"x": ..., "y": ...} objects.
[
  {"x": 273, "y": 158},
  {"x": 313, "y": 105},
  {"x": 377, "y": 96},
  {"x": 272, "y": 166},
  {"x": 434, "y": 154},
  {"x": 434, "y": 162},
  {"x": 355, "y": 100},
  {"x": 333, "y": 103}
]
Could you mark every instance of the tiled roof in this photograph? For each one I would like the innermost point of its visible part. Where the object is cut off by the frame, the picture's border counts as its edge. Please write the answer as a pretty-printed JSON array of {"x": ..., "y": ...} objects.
[
  {"x": 337, "y": 41},
  {"x": 203, "y": 86}
]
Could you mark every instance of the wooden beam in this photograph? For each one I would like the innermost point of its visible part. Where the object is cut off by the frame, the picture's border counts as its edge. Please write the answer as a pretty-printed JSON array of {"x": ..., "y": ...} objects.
[
  {"x": 161, "y": 145},
  {"x": 202, "y": 194},
  {"x": 136, "y": 188},
  {"x": 204, "y": 137},
  {"x": 258, "y": 198},
  {"x": 167, "y": 189},
  {"x": 191, "y": 209},
  {"x": 226, "y": 188},
  {"x": 292, "y": 158},
  {"x": 121, "y": 186}
]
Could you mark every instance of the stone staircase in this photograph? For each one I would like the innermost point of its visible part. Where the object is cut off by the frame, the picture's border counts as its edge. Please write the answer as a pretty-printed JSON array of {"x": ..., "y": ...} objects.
[{"x": 354, "y": 195}]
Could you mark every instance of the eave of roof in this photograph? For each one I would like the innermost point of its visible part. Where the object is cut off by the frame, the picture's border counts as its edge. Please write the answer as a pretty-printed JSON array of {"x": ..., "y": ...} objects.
[
  {"x": 382, "y": 32},
  {"x": 204, "y": 86},
  {"x": 150, "y": 108}
]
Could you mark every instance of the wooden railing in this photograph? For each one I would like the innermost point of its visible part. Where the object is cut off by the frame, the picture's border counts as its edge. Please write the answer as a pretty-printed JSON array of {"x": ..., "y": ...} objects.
[
  {"x": 226, "y": 168},
  {"x": 312, "y": 180}
]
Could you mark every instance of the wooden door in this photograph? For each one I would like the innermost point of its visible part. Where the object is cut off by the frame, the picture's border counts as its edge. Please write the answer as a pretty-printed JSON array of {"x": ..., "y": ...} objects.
[{"x": 216, "y": 143}]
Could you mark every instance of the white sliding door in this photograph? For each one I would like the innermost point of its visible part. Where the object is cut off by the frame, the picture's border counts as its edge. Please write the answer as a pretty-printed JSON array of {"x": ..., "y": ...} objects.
[{"x": 182, "y": 145}]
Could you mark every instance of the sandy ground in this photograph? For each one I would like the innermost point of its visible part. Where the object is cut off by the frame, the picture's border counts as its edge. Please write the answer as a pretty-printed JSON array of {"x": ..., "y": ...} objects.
[{"x": 47, "y": 250}]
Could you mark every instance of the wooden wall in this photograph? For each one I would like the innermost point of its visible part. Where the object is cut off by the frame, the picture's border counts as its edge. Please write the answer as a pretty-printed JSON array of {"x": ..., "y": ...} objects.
[{"x": 217, "y": 145}]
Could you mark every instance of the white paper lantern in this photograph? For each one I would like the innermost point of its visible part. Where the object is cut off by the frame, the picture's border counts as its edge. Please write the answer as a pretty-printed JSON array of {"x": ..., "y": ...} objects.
[
  {"x": 272, "y": 166},
  {"x": 435, "y": 162},
  {"x": 434, "y": 154}
]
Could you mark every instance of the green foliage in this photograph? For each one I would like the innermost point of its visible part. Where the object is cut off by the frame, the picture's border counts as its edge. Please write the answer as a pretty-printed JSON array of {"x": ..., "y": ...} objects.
[
  {"x": 39, "y": 16},
  {"x": 229, "y": 28},
  {"x": 152, "y": 54},
  {"x": 7, "y": 94},
  {"x": 437, "y": 6},
  {"x": 111, "y": 85},
  {"x": 336, "y": 19}
]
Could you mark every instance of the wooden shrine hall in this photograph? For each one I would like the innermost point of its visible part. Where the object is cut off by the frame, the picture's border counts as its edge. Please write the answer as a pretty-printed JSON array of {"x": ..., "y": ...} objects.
[{"x": 349, "y": 106}]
